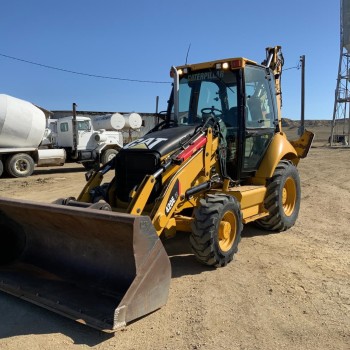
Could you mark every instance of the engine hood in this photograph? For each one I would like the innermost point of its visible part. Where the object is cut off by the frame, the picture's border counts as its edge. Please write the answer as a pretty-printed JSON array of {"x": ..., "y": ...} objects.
[{"x": 162, "y": 141}]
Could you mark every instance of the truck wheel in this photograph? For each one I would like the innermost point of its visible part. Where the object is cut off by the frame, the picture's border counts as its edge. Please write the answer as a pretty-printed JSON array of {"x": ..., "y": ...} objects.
[
  {"x": 1, "y": 168},
  {"x": 108, "y": 155},
  {"x": 282, "y": 198},
  {"x": 20, "y": 165},
  {"x": 216, "y": 230}
]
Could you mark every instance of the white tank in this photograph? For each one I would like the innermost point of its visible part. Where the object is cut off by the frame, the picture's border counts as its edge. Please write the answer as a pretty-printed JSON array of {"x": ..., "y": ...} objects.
[
  {"x": 21, "y": 123},
  {"x": 346, "y": 24},
  {"x": 133, "y": 121},
  {"x": 117, "y": 121},
  {"x": 109, "y": 122}
]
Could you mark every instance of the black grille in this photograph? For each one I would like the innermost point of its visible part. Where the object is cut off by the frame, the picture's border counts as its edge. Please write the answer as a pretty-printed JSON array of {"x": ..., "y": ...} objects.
[{"x": 131, "y": 167}]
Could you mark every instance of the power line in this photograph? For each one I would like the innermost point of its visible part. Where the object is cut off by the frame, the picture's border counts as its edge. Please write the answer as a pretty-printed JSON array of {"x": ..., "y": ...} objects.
[
  {"x": 296, "y": 67},
  {"x": 81, "y": 73},
  {"x": 99, "y": 76}
]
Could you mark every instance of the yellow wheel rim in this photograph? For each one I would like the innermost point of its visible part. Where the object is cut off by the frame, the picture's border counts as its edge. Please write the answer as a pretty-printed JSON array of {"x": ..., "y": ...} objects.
[
  {"x": 227, "y": 231},
  {"x": 289, "y": 196}
]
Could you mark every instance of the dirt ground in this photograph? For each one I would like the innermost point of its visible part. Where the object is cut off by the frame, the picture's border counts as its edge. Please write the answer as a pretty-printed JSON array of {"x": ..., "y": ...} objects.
[{"x": 282, "y": 291}]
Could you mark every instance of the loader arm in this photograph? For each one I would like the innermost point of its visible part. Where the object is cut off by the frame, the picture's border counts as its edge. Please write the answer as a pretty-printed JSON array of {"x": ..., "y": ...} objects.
[
  {"x": 190, "y": 168},
  {"x": 192, "y": 176}
]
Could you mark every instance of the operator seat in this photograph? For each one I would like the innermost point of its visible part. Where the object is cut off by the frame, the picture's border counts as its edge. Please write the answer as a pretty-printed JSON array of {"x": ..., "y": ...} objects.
[{"x": 256, "y": 112}]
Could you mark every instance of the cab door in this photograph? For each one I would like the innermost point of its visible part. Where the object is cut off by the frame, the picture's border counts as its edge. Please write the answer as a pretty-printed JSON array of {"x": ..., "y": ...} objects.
[{"x": 260, "y": 117}]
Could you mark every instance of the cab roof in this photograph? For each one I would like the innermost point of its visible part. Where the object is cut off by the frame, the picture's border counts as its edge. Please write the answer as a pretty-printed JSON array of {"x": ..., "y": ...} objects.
[{"x": 237, "y": 62}]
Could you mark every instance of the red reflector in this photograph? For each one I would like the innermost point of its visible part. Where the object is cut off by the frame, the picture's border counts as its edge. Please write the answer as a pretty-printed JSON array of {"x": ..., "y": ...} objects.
[
  {"x": 236, "y": 64},
  {"x": 186, "y": 153}
]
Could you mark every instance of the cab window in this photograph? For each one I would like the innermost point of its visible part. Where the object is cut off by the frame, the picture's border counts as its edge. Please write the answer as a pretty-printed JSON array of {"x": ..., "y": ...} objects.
[
  {"x": 84, "y": 125},
  {"x": 259, "y": 101},
  {"x": 208, "y": 97},
  {"x": 259, "y": 117},
  {"x": 64, "y": 127}
]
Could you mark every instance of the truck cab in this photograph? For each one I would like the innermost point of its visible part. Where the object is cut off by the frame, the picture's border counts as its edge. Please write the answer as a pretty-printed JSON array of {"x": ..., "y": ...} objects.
[
  {"x": 65, "y": 133},
  {"x": 87, "y": 145}
]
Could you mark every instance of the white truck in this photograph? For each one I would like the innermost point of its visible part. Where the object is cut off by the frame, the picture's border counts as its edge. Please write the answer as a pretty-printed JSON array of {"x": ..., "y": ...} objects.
[{"x": 29, "y": 138}]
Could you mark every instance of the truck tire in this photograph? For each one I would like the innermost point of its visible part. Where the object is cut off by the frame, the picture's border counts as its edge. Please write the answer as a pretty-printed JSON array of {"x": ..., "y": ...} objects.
[
  {"x": 20, "y": 165},
  {"x": 108, "y": 155},
  {"x": 216, "y": 230},
  {"x": 282, "y": 198},
  {"x": 1, "y": 168}
]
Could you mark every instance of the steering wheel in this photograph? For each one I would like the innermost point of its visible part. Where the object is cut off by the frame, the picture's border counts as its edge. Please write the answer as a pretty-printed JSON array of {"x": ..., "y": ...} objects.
[
  {"x": 210, "y": 110},
  {"x": 162, "y": 125}
]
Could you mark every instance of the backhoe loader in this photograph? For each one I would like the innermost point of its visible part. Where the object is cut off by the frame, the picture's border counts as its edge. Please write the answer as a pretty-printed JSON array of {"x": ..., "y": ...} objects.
[{"x": 219, "y": 159}]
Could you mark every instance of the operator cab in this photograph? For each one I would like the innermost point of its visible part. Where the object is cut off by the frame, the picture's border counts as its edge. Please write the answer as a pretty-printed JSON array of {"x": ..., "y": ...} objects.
[{"x": 242, "y": 97}]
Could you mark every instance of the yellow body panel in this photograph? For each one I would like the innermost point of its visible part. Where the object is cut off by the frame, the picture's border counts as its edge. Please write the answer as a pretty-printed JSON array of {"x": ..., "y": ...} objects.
[
  {"x": 187, "y": 177},
  {"x": 183, "y": 223},
  {"x": 251, "y": 199},
  {"x": 303, "y": 144},
  {"x": 248, "y": 196},
  {"x": 141, "y": 196},
  {"x": 280, "y": 148},
  {"x": 94, "y": 181}
]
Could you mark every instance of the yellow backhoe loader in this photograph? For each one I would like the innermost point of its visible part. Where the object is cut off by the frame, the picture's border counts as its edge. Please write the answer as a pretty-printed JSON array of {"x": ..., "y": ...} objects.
[{"x": 218, "y": 160}]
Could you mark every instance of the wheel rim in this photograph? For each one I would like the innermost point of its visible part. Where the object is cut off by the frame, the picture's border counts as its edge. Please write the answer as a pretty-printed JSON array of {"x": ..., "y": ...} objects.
[
  {"x": 289, "y": 196},
  {"x": 227, "y": 231},
  {"x": 21, "y": 166},
  {"x": 110, "y": 157}
]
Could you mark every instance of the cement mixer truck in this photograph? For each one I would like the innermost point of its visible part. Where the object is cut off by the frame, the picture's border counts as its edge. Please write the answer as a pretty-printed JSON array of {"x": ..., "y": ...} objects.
[{"x": 28, "y": 138}]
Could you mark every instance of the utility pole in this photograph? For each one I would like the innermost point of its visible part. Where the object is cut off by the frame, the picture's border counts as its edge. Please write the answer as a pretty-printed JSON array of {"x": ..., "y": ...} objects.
[{"x": 302, "y": 114}]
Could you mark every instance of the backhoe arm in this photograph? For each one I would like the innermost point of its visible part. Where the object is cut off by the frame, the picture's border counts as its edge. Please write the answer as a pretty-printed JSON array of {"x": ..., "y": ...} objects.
[{"x": 274, "y": 61}]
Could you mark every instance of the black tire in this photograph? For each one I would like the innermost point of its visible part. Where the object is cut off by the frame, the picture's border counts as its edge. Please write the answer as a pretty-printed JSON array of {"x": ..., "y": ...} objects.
[
  {"x": 20, "y": 165},
  {"x": 282, "y": 198},
  {"x": 1, "y": 168},
  {"x": 216, "y": 230},
  {"x": 108, "y": 155}
]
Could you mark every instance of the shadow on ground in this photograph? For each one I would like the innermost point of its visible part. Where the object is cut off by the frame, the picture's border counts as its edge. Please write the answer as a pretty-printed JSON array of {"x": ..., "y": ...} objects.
[
  {"x": 18, "y": 317},
  {"x": 59, "y": 170}
]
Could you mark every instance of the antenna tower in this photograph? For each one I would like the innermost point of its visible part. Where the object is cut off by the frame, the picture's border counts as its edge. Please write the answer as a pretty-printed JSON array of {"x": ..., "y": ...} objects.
[{"x": 340, "y": 133}]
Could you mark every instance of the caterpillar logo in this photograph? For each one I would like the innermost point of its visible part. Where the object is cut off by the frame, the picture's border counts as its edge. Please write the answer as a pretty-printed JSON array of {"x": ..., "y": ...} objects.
[
  {"x": 174, "y": 195},
  {"x": 145, "y": 143},
  {"x": 206, "y": 76}
]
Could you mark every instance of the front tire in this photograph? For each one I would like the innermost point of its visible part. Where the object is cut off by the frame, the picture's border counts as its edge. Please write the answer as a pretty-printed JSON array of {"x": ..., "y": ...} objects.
[
  {"x": 216, "y": 230},
  {"x": 282, "y": 198},
  {"x": 20, "y": 165},
  {"x": 108, "y": 155}
]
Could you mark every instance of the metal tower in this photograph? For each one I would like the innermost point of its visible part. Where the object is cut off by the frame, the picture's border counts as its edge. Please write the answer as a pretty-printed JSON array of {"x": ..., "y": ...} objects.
[{"x": 340, "y": 132}]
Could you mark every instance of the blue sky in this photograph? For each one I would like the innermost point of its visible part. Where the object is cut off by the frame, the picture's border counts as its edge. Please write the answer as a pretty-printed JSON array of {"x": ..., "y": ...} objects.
[{"x": 143, "y": 39}]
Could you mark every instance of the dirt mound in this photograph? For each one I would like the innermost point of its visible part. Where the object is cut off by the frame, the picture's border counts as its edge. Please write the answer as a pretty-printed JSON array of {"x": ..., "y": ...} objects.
[{"x": 308, "y": 123}]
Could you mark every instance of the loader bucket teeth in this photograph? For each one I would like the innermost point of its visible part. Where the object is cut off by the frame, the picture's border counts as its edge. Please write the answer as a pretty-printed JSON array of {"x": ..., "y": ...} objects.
[{"x": 100, "y": 268}]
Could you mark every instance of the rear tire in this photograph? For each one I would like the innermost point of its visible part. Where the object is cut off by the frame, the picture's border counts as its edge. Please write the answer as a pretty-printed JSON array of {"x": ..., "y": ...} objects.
[
  {"x": 20, "y": 165},
  {"x": 1, "y": 168},
  {"x": 216, "y": 230},
  {"x": 282, "y": 198},
  {"x": 108, "y": 155}
]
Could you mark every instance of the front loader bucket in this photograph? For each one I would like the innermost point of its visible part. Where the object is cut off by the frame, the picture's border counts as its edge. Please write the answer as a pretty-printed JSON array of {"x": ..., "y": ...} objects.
[{"x": 100, "y": 268}]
